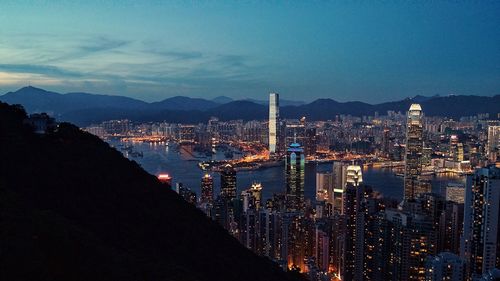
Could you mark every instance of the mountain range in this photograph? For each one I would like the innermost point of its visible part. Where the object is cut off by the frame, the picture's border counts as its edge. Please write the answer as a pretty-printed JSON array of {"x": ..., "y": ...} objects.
[
  {"x": 73, "y": 208},
  {"x": 84, "y": 109}
]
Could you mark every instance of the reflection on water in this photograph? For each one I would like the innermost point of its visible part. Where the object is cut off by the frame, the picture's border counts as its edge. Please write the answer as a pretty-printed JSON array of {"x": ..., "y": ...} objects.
[{"x": 182, "y": 166}]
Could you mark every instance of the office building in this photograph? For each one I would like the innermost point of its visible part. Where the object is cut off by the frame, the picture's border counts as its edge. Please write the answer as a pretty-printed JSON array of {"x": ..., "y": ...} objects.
[
  {"x": 354, "y": 215},
  {"x": 413, "y": 154},
  {"x": 228, "y": 182},
  {"x": 295, "y": 167},
  {"x": 338, "y": 187},
  {"x": 493, "y": 146},
  {"x": 207, "y": 189},
  {"x": 324, "y": 186},
  {"x": 274, "y": 108}
]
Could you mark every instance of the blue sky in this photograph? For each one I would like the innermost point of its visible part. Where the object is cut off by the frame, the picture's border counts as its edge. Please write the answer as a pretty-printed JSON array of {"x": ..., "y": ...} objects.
[{"x": 371, "y": 51}]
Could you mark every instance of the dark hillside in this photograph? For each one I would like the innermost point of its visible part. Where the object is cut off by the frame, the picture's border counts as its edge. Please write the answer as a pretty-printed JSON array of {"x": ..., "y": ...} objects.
[{"x": 72, "y": 208}]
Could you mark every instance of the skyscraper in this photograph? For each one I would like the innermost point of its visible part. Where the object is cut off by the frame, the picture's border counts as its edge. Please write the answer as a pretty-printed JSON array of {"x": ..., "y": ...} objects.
[
  {"x": 386, "y": 142},
  {"x": 207, "y": 189},
  {"x": 228, "y": 182},
  {"x": 252, "y": 197},
  {"x": 339, "y": 181},
  {"x": 324, "y": 183},
  {"x": 295, "y": 166},
  {"x": 354, "y": 215},
  {"x": 481, "y": 247},
  {"x": 493, "y": 143},
  {"x": 413, "y": 154},
  {"x": 274, "y": 108}
]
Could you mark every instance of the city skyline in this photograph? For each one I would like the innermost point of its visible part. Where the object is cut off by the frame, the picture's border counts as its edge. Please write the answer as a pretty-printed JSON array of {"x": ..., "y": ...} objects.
[
  {"x": 362, "y": 51},
  {"x": 384, "y": 196},
  {"x": 250, "y": 140}
]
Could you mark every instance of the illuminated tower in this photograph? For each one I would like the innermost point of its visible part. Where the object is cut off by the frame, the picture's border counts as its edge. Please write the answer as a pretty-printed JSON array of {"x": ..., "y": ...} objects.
[
  {"x": 413, "y": 154},
  {"x": 228, "y": 182},
  {"x": 274, "y": 113},
  {"x": 207, "y": 189},
  {"x": 295, "y": 165},
  {"x": 354, "y": 238},
  {"x": 252, "y": 197}
]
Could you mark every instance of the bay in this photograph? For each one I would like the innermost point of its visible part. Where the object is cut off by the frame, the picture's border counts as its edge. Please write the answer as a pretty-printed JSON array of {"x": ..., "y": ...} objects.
[{"x": 183, "y": 167}]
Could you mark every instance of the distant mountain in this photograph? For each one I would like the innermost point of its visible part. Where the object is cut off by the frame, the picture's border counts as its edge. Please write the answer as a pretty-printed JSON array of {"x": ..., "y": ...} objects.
[
  {"x": 222, "y": 99},
  {"x": 450, "y": 106},
  {"x": 325, "y": 109},
  {"x": 420, "y": 98},
  {"x": 84, "y": 109},
  {"x": 73, "y": 208},
  {"x": 283, "y": 102},
  {"x": 183, "y": 103},
  {"x": 39, "y": 100},
  {"x": 240, "y": 109}
]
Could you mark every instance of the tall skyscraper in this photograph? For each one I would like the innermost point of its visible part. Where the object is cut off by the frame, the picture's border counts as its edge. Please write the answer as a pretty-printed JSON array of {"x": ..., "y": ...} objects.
[
  {"x": 207, "y": 189},
  {"x": 386, "y": 142},
  {"x": 228, "y": 182},
  {"x": 324, "y": 185},
  {"x": 295, "y": 166},
  {"x": 493, "y": 147},
  {"x": 481, "y": 248},
  {"x": 274, "y": 108},
  {"x": 413, "y": 154},
  {"x": 339, "y": 181},
  {"x": 354, "y": 215}
]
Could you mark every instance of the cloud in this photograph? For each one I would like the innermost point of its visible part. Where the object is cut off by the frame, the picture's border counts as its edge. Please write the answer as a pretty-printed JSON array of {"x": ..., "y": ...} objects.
[
  {"x": 39, "y": 69},
  {"x": 103, "y": 43},
  {"x": 135, "y": 68},
  {"x": 177, "y": 55}
]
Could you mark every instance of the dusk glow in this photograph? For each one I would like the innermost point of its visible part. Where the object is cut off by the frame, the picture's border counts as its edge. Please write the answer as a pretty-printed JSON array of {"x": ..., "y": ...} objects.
[{"x": 354, "y": 50}]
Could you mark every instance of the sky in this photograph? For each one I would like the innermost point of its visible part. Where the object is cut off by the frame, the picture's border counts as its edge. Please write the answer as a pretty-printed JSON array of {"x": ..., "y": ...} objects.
[{"x": 371, "y": 51}]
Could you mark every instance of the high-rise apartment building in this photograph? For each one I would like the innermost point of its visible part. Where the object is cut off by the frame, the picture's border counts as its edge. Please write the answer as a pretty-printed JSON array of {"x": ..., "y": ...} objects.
[{"x": 480, "y": 245}]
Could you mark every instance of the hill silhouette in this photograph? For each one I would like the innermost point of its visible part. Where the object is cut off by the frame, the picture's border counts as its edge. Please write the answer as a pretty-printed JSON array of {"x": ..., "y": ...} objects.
[
  {"x": 73, "y": 208},
  {"x": 84, "y": 109}
]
